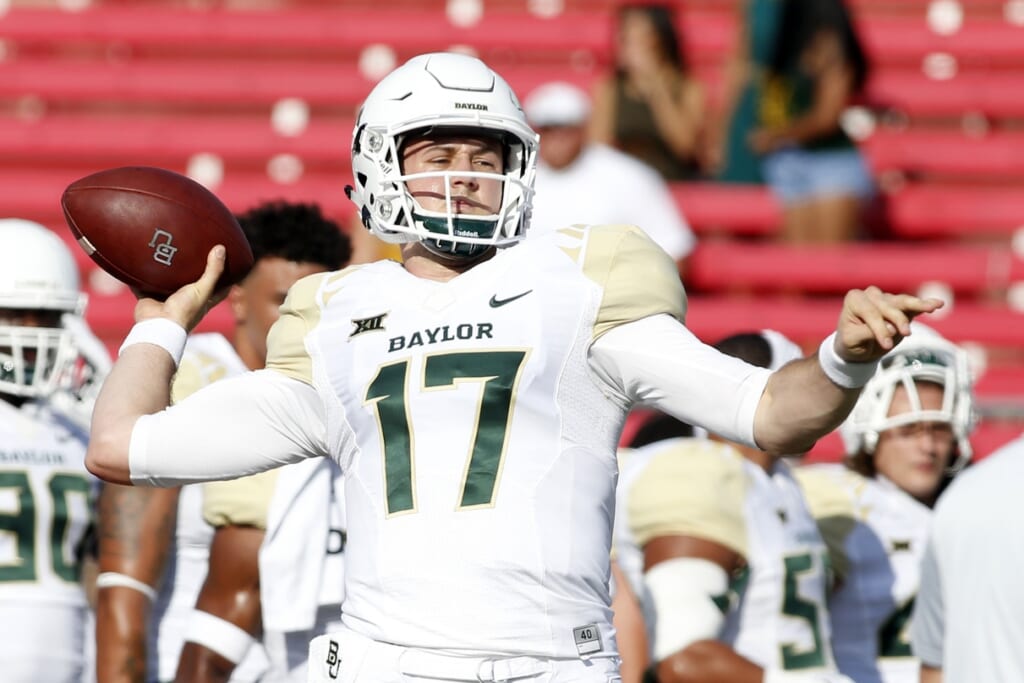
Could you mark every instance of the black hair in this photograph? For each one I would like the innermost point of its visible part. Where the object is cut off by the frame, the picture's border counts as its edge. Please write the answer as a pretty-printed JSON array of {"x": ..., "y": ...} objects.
[
  {"x": 659, "y": 428},
  {"x": 296, "y": 232},
  {"x": 802, "y": 20},
  {"x": 663, "y": 19},
  {"x": 749, "y": 346}
]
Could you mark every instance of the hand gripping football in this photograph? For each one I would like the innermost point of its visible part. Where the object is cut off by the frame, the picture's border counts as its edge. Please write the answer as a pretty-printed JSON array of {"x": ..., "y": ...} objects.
[{"x": 152, "y": 228}]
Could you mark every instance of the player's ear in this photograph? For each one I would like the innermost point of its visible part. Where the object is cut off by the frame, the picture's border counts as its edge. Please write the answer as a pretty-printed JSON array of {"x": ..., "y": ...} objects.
[{"x": 239, "y": 306}]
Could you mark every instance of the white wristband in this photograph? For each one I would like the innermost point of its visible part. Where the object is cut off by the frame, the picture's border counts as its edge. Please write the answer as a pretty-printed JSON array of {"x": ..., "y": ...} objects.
[
  {"x": 162, "y": 332},
  {"x": 844, "y": 373},
  {"x": 112, "y": 579},
  {"x": 223, "y": 637}
]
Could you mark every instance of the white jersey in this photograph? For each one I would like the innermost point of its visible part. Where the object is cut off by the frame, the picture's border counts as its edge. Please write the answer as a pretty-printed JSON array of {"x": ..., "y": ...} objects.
[
  {"x": 876, "y": 534},
  {"x": 299, "y": 509},
  {"x": 775, "y": 610},
  {"x": 208, "y": 358},
  {"x": 476, "y": 421},
  {"x": 46, "y": 510}
]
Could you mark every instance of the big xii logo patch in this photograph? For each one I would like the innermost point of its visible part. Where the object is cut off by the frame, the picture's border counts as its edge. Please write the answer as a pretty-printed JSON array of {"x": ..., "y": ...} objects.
[{"x": 372, "y": 324}]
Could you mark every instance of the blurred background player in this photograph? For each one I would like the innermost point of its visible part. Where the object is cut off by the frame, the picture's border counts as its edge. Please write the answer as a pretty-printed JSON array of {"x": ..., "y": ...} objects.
[
  {"x": 158, "y": 539},
  {"x": 584, "y": 182},
  {"x": 907, "y": 435},
  {"x": 717, "y": 541},
  {"x": 49, "y": 363}
]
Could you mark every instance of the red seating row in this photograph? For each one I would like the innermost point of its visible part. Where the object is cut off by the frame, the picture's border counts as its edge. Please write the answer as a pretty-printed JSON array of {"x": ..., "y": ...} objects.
[
  {"x": 334, "y": 30},
  {"x": 256, "y": 82},
  {"x": 807, "y": 321},
  {"x": 997, "y": 155},
  {"x": 729, "y": 266},
  {"x": 916, "y": 211},
  {"x": 249, "y": 139}
]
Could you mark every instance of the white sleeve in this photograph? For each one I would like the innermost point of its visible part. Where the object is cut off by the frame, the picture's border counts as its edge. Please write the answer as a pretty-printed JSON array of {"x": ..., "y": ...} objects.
[
  {"x": 657, "y": 361},
  {"x": 927, "y": 625},
  {"x": 231, "y": 428}
]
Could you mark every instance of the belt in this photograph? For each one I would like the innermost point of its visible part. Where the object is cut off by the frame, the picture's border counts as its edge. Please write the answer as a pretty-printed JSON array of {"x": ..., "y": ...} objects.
[{"x": 486, "y": 669}]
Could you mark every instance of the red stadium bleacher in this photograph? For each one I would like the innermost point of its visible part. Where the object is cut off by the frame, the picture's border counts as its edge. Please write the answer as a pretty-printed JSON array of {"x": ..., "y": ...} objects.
[
  {"x": 808, "y": 320},
  {"x": 331, "y": 31},
  {"x": 731, "y": 266},
  {"x": 995, "y": 156}
]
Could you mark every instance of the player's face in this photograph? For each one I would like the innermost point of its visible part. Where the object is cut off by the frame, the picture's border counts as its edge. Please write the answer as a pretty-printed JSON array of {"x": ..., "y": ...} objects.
[
  {"x": 561, "y": 145},
  {"x": 455, "y": 153},
  {"x": 20, "y": 317},
  {"x": 256, "y": 303},
  {"x": 914, "y": 456}
]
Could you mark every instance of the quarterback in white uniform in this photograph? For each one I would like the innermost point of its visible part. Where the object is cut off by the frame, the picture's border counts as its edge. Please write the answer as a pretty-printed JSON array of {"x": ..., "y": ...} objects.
[
  {"x": 473, "y": 395},
  {"x": 46, "y": 494},
  {"x": 908, "y": 433},
  {"x": 718, "y": 543}
]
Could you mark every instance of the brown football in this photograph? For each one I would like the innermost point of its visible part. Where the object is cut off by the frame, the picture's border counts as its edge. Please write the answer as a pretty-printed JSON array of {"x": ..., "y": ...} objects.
[{"x": 152, "y": 228}]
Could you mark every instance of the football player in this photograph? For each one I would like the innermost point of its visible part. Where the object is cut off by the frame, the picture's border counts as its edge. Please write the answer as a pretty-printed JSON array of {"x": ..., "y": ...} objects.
[
  {"x": 157, "y": 544},
  {"x": 49, "y": 365},
  {"x": 907, "y": 435},
  {"x": 718, "y": 542},
  {"x": 472, "y": 394}
]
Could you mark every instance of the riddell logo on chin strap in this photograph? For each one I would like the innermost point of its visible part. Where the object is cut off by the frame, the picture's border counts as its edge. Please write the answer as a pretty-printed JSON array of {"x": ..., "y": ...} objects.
[{"x": 471, "y": 105}]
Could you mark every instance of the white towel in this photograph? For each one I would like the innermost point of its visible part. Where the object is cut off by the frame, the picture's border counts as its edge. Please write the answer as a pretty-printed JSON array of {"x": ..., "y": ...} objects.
[{"x": 298, "y": 573}]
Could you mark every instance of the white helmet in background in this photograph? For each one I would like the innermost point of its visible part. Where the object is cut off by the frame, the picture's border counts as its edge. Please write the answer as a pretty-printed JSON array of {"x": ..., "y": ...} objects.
[
  {"x": 430, "y": 92},
  {"x": 37, "y": 273},
  {"x": 924, "y": 356}
]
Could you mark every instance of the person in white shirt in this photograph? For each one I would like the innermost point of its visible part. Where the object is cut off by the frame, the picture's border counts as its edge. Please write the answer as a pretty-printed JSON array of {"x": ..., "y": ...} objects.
[
  {"x": 579, "y": 181},
  {"x": 969, "y": 615},
  {"x": 473, "y": 395}
]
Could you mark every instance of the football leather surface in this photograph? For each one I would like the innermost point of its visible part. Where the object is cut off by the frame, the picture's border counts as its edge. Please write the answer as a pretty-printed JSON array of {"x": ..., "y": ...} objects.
[{"x": 152, "y": 228}]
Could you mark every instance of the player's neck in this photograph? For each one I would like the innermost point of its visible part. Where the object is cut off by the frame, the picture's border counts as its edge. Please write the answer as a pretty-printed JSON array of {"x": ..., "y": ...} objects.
[
  {"x": 422, "y": 262},
  {"x": 248, "y": 355}
]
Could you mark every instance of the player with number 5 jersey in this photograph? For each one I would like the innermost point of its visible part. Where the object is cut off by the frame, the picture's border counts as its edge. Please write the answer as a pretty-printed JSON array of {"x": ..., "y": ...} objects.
[{"x": 473, "y": 395}]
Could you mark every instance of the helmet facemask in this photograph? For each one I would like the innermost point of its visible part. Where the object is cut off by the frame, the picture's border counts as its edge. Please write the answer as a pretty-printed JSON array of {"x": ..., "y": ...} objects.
[
  {"x": 934, "y": 361},
  {"x": 34, "y": 361}
]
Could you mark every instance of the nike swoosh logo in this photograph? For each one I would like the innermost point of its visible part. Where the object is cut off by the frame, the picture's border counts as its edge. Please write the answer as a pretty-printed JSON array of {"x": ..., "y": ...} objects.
[{"x": 496, "y": 302}]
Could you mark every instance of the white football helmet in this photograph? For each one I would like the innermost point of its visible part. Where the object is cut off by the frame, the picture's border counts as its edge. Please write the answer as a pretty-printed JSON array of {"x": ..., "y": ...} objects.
[
  {"x": 37, "y": 273},
  {"x": 924, "y": 356},
  {"x": 441, "y": 91}
]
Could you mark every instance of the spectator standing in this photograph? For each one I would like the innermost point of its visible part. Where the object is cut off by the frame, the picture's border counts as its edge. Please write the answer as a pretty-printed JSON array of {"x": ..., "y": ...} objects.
[
  {"x": 650, "y": 106},
  {"x": 801, "y": 63}
]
